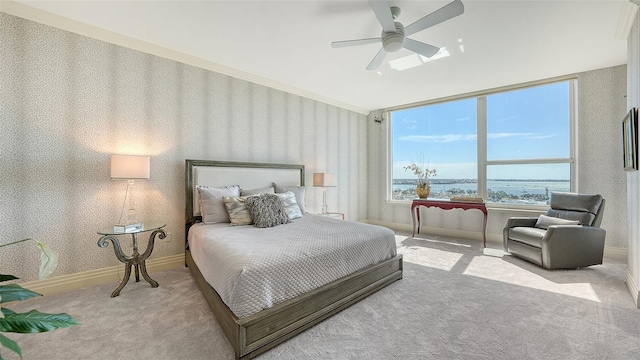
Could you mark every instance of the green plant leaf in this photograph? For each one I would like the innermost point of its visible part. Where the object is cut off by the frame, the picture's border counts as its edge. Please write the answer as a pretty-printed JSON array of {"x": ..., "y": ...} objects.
[
  {"x": 48, "y": 260},
  {"x": 15, "y": 292},
  {"x": 34, "y": 321},
  {"x": 4, "y": 277},
  {"x": 11, "y": 345}
]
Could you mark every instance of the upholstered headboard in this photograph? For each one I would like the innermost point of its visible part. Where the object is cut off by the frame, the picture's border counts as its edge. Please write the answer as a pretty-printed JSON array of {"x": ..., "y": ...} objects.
[{"x": 227, "y": 173}]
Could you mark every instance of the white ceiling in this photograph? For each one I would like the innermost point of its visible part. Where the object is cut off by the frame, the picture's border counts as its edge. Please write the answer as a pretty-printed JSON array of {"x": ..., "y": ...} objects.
[{"x": 494, "y": 43}]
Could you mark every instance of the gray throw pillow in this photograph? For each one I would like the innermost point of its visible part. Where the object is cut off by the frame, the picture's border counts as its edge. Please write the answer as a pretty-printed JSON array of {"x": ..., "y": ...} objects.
[
  {"x": 545, "y": 221},
  {"x": 267, "y": 210},
  {"x": 212, "y": 206},
  {"x": 298, "y": 191}
]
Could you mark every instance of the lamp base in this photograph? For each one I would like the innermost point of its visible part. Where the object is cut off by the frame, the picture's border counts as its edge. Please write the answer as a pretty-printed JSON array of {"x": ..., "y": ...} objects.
[
  {"x": 129, "y": 215},
  {"x": 325, "y": 207}
]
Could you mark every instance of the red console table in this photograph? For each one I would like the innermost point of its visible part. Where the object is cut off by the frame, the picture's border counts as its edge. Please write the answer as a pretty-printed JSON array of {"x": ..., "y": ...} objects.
[{"x": 448, "y": 205}]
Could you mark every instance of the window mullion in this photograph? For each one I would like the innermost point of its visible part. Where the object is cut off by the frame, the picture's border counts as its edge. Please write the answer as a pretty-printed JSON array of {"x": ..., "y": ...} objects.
[
  {"x": 530, "y": 161},
  {"x": 482, "y": 147},
  {"x": 389, "y": 152},
  {"x": 573, "y": 103}
]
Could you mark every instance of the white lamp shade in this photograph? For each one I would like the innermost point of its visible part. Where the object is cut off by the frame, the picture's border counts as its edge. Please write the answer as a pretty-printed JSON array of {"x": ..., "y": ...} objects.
[
  {"x": 325, "y": 180},
  {"x": 130, "y": 167}
]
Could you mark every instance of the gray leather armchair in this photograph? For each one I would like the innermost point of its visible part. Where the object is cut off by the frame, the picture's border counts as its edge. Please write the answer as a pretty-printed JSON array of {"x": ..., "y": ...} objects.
[{"x": 560, "y": 246}]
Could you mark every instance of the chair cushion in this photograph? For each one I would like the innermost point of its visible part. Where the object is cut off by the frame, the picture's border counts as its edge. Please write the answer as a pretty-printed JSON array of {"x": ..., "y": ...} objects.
[
  {"x": 528, "y": 235},
  {"x": 572, "y": 206},
  {"x": 575, "y": 202}
]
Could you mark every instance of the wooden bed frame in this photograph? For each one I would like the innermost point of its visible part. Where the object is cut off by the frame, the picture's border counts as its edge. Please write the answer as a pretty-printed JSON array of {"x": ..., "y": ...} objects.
[{"x": 257, "y": 333}]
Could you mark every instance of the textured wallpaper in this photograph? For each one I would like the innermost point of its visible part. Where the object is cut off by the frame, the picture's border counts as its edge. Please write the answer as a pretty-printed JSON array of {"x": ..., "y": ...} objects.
[
  {"x": 68, "y": 102},
  {"x": 601, "y": 106},
  {"x": 633, "y": 178}
]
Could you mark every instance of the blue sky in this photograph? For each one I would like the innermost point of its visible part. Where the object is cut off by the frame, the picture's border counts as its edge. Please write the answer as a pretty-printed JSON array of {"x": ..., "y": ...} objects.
[{"x": 531, "y": 123}]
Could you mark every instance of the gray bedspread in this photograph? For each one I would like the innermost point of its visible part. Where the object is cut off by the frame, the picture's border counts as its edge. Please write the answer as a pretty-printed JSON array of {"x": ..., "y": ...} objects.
[{"x": 253, "y": 269}]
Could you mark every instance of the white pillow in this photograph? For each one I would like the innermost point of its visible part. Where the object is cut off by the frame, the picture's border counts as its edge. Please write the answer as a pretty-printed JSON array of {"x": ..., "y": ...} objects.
[
  {"x": 545, "y": 221},
  {"x": 290, "y": 205},
  {"x": 212, "y": 206},
  {"x": 264, "y": 190},
  {"x": 298, "y": 191}
]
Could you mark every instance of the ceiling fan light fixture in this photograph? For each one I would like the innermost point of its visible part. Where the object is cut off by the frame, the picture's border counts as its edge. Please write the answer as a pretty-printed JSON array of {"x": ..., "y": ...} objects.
[
  {"x": 393, "y": 42},
  {"x": 393, "y": 32}
]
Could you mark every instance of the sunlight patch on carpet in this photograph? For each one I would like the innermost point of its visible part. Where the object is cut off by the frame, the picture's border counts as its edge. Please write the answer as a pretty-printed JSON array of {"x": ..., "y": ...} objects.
[
  {"x": 438, "y": 259},
  {"x": 491, "y": 268}
]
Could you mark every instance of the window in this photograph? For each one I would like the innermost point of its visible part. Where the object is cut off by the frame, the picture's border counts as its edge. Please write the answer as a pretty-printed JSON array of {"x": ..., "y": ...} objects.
[
  {"x": 511, "y": 147},
  {"x": 442, "y": 137}
]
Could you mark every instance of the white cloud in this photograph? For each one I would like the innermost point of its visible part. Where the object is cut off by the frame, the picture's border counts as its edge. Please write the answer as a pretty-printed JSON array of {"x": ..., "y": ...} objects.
[
  {"x": 542, "y": 136},
  {"x": 508, "y": 118},
  {"x": 508, "y": 135},
  {"x": 410, "y": 123}
]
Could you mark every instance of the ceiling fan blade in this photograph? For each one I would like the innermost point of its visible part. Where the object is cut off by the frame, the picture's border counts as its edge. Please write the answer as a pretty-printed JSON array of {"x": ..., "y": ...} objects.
[
  {"x": 421, "y": 48},
  {"x": 383, "y": 13},
  {"x": 377, "y": 60},
  {"x": 445, "y": 13},
  {"x": 337, "y": 44}
]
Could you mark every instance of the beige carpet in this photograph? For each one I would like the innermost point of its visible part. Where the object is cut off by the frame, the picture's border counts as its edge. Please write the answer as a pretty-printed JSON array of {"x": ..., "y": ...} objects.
[{"x": 456, "y": 301}]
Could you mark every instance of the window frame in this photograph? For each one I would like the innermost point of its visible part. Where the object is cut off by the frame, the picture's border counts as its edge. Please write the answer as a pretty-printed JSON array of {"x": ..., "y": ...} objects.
[{"x": 483, "y": 163}]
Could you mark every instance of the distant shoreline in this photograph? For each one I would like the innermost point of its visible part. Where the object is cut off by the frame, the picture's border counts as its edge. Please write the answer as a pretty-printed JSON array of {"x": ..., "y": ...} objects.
[
  {"x": 470, "y": 181},
  {"x": 528, "y": 191}
]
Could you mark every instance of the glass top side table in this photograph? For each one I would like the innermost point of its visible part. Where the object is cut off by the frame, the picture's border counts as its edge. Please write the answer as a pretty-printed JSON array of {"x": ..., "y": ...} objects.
[{"x": 136, "y": 259}]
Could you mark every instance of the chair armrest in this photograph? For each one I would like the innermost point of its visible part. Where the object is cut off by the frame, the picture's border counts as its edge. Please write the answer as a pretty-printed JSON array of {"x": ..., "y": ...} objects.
[
  {"x": 573, "y": 233},
  {"x": 521, "y": 221},
  {"x": 571, "y": 246},
  {"x": 514, "y": 222}
]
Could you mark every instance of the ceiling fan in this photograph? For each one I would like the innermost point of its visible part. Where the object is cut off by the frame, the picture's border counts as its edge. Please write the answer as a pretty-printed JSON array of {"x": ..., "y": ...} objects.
[{"x": 394, "y": 34}]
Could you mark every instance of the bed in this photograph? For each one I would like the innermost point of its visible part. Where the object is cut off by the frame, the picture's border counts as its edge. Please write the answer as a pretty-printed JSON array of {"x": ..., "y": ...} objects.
[{"x": 253, "y": 329}]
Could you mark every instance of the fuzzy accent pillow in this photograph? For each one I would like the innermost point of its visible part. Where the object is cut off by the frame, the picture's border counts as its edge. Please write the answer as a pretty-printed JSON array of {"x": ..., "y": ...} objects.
[{"x": 267, "y": 210}]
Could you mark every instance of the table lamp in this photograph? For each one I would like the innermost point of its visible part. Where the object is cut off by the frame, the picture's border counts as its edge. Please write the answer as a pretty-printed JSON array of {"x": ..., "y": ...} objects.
[
  {"x": 129, "y": 167},
  {"x": 324, "y": 180}
]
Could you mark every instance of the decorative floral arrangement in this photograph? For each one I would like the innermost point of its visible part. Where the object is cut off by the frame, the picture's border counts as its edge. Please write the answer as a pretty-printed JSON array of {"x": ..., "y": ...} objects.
[
  {"x": 423, "y": 173},
  {"x": 32, "y": 321}
]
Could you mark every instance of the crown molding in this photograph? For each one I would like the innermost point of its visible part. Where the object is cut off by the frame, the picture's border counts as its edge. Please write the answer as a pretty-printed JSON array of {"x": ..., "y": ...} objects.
[
  {"x": 30, "y": 13},
  {"x": 626, "y": 19}
]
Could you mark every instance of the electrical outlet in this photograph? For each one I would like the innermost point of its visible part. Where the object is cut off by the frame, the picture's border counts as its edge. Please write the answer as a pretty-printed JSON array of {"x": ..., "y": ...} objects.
[{"x": 167, "y": 238}]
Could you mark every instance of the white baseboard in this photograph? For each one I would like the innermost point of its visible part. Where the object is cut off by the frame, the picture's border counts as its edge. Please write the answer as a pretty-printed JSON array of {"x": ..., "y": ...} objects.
[
  {"x": 79, "y": 280},
  {"x": 615, "y": 253},
  {"x": 471, "y": 235},
  {"x": 609, "y": 252},
  {"x": 633, "y": 289}
]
